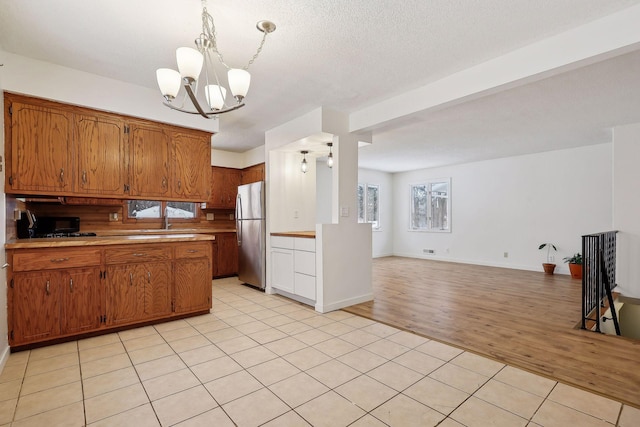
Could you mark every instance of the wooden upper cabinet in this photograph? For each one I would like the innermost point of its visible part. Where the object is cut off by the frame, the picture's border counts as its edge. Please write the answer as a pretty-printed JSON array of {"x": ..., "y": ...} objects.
[
  {"x": 40, "y": 149},
  {"x": 58, "y": 149},
  {"x": 150, "y": 160},
  {"x": 253, "y": 173},
  {"x": 224, "y": 187},
  {"x": 191, "y": 166},
  {"x": 101, "y": 153}
]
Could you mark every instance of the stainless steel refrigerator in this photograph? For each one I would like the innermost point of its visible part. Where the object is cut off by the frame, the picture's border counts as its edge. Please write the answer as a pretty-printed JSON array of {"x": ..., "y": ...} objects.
[{"x": 250, "y": 229}]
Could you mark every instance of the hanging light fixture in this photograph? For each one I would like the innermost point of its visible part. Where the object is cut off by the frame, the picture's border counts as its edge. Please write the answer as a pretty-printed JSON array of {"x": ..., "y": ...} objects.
[
  {"x": 304, "y": 166},
  {"x": 330, "y": 158},
  {"x": 190, "y": 64}
]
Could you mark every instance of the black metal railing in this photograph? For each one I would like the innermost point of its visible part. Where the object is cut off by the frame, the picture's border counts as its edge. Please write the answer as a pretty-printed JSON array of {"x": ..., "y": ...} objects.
[{"x": 598, "y": 276}]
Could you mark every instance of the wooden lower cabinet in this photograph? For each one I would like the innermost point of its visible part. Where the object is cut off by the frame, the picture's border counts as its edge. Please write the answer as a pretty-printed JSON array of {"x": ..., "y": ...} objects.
[
  {"x": 226, "y": 255},
  {"x": 138, "y": 292},
  {"x": 81, "y": 300},
  {"x": 192, "y": 277},
  {"x": 128, "y": 285},
  {"x": 47, "y": 304},
  {"x": 193, "y": 285}
]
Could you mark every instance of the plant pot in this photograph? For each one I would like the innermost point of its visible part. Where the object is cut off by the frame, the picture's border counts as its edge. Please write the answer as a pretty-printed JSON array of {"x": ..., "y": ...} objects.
[
  {"x": 576, "y": 271},
  {"x": 548, "y": 268}
]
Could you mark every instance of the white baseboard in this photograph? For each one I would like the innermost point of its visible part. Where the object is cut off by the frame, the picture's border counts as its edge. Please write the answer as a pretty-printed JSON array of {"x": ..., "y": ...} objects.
[{"x": 337, "y": 305}]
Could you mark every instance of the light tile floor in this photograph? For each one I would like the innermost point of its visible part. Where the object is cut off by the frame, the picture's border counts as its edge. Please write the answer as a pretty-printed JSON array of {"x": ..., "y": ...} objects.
[{"x": 264, "y": 360}]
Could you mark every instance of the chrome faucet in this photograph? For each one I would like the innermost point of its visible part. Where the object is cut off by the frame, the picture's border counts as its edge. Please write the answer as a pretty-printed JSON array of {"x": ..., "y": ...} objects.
[{"x": 166, "y": 219}]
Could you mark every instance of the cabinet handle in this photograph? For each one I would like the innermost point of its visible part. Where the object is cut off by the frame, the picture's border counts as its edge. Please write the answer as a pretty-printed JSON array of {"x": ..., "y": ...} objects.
[
  {"x": 148, "y": 277},
  {"x": 130, "y": 279},
  {"x": 61, "y": 174},
  {"x": 193, "y": 251},
  {"x": 179, "y": 185},
  {"x": 164, "y": 182},
  {"x": 84, "y": 177},
  {"x": 47, "y": 290},
  {"x": 59, "y": 259},
  {"x": 142, "y": 254},
  {"x": 70, "y": 285}
]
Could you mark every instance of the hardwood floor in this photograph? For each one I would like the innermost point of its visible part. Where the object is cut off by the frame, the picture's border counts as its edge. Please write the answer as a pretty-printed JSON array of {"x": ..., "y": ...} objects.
[{"x": 523, "y": 318}]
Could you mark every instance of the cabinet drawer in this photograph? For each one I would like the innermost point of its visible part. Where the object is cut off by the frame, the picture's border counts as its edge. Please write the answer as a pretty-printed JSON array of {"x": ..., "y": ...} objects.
[
  {"x": 194, "y": 250},
  {"x": 282, "y": 242},
  {"x": 137, "y": 253},
  {"x": 304, "y": 244},
  {"x": 305, "y": 286},
  {"x": 50, "y": 258},
  {"x": 305, "y": 262}
]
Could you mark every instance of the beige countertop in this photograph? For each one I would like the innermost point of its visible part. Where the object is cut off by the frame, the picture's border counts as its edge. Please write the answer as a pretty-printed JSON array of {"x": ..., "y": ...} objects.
[
  {"x": 106, "y": 240},
  {"x": 303, "y": 234}
]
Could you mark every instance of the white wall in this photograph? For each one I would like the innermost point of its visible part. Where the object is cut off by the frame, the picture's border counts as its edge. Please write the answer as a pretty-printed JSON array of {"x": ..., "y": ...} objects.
[
  {"x": 626, "y": 208},
  {"x": 324, "y": 192},
  {"x": 512, "y": 205},
  {"x": 382, "y": 244},
  {"x": 292, "y": 196}
]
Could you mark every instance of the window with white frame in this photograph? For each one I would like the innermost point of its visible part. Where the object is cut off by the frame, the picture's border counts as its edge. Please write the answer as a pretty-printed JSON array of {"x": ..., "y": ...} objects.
[
  {"x": 369, "y": 204},
  {"x": 431, "y": 206},
  {"x": 152, "y": 209}
]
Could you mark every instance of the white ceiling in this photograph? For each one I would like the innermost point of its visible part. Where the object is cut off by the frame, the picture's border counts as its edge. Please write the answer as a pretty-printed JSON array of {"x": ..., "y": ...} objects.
[{"x": 348, "y": 55}]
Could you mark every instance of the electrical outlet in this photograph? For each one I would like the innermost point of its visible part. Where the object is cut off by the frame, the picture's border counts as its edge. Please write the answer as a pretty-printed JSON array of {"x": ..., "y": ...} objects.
[
  {"x": 429, "y": 251},
  {"x": 210, "y": 216},
  {"x": 296, "y": 214},
  {"x": 506, "y": 254},
  {"x": 344, "y": 211},
  {"x": 231, "y": 217},
  {"x": 113, "y": 216},
  {"x": 552, "y": 258}
]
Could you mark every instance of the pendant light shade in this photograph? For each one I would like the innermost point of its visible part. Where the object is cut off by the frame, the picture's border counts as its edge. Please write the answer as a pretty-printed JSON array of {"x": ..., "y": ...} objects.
[
  {"x": 304, "y": 166},
  {"x": 239, "y": 81},
  {"x": 215, "y": 95},
  {"x": 169, "y": 82},
  {"x": 189, "y": 63},
  {"x": 330, "y": 157}
]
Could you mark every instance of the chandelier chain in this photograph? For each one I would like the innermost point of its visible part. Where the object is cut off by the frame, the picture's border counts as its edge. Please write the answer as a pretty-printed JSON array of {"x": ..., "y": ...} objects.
[{"x": 209, "y": 32}]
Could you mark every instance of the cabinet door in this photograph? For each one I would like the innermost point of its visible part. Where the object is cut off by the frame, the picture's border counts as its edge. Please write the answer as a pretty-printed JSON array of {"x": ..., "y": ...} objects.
[
  {"x": 156, "y": 280},
  {"x": 224, "y": 187},
  {"x": 192, "y": 285},
  {"x": 227, "y": 254},
  {"x": 149, "y": 161},
  {"x": 192, "y": 166},
  {"x": 217, "y": 188},
  {"x": 124, "y": 301},
  {"x": 81, "y": 298},
  {"x": 253, "y": 173},
  {"x": 101, "y": 155},
  {"x": 232, "y": 180},
  {"x": 40, "y": 142},
  {"x": 36, "y": 306},
  {"x": 282, "y": 269}
]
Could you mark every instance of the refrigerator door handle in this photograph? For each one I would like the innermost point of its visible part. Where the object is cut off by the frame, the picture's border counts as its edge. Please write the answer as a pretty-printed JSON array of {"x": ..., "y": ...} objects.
[{"x": 238, "y": 214}]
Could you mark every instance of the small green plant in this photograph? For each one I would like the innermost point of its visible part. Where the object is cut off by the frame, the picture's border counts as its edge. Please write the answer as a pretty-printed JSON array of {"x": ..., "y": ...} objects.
[
  {"x": 549, "y": 246},
  {"x": 575, "y": 259}
]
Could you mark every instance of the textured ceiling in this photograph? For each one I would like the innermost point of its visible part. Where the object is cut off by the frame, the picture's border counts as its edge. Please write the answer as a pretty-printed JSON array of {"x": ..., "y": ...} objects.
[{"x": 347, "y": 55}]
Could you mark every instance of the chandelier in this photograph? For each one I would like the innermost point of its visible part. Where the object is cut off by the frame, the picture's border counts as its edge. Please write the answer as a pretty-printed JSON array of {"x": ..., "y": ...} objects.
[{"x": 190, "y": 63}]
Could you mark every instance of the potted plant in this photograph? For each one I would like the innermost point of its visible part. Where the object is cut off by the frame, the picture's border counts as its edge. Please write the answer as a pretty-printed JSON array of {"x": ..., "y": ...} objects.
[
  {"x": 575, "y": 265},
  {"x": 548, "y": 266}
]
